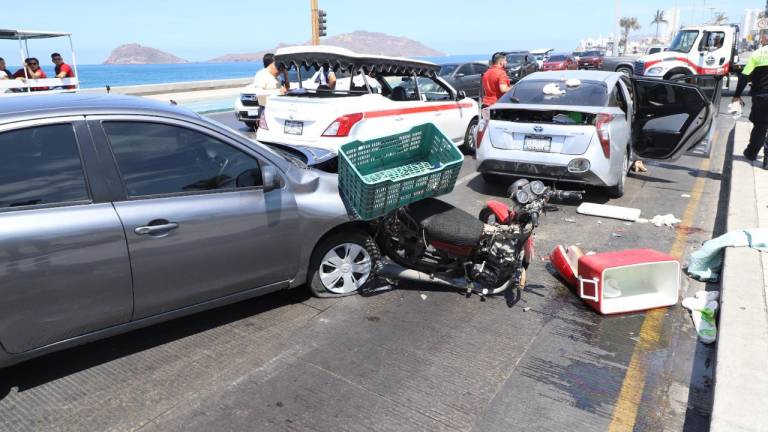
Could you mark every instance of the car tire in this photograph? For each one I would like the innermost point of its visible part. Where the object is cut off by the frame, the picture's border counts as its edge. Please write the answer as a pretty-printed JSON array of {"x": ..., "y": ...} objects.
[
  {"x": 469, "y": 146},
  {"x": 617, "y": 191},
  {"x": 676, "y": 76},
  {"x": 352, "y": 250},
  {"x": 252, "y": 125},
  {"x": 625, "y": 71}
]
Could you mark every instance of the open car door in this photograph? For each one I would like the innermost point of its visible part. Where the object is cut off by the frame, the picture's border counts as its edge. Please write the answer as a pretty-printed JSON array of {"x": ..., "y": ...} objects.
[{"x": 670, "y": 118}]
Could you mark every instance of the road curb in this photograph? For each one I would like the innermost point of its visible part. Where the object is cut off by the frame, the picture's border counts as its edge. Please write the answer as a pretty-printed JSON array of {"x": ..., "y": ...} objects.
[{"x": 741, "y": 372}]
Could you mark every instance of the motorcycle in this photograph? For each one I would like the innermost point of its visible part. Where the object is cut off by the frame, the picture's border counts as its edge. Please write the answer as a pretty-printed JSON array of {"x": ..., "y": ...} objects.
[{"x": 432, "y": 241}]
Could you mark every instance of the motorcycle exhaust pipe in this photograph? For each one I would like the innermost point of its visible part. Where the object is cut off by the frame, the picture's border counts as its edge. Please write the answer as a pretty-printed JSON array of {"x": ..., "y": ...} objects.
[{"x": 396, "y": 271}]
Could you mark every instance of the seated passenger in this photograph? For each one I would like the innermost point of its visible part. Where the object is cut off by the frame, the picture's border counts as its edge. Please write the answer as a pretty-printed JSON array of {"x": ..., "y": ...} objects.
[
  {"x": 31, "y": 70},
  {"x": 4, "y": 73},
  {"x": 63, "y": 70},
  {"x": 325, "y": 78}
]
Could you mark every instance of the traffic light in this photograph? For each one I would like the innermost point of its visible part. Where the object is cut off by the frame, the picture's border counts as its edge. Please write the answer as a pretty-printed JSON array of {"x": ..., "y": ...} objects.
[{"x": 321, "y": 21}]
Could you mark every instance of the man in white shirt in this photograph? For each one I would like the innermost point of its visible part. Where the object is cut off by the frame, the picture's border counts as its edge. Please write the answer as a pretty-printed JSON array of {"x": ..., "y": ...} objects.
[{"x": 266, "y": 81}]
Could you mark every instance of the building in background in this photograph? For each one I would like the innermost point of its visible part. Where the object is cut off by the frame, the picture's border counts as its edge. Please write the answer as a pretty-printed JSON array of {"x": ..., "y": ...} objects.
[{"x": 749, "y": 23}]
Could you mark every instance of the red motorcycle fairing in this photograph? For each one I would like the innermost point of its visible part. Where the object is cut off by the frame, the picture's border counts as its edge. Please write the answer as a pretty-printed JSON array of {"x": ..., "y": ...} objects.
[
  {"x": 528, "y": 250},
  {"x": 501, "y": 211},
  {"x": 462, "y": 251}
]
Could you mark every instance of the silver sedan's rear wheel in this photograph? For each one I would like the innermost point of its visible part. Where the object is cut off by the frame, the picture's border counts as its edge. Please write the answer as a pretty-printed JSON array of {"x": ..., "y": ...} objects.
[{"x": 343, "y": 264}]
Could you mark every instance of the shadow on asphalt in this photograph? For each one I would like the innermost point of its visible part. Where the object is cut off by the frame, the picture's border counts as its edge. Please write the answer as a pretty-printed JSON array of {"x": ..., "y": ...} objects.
[
  {"x": 58, "y": 365},
  {"x": 692, "y": 171},
  {"x": 499, "y": 189}
]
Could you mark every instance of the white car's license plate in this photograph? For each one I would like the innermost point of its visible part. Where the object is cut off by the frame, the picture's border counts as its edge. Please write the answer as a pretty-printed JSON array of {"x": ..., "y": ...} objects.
[
  {"x": 294, "y": 127},
  {"x": 253, "y": 113},
  {"x": 538, "y": 144}
]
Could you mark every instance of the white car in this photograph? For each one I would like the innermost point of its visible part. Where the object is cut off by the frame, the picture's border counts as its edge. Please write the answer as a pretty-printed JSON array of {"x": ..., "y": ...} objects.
[
  {"x": 377, "y": 96},
  {"x": 247, "y": 103},
  {"x": 580, "y": 126},
  {"x": 541, "y": 55}
]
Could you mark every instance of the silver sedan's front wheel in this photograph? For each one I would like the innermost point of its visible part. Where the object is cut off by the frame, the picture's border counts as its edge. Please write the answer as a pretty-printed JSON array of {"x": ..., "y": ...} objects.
[
  {"x": 345, "y": 268},
  {"x": 343, "y": 264}
]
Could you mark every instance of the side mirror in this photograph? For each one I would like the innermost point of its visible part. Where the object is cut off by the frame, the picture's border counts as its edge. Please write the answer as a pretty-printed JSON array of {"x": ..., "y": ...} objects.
[
  {"x": 459, "y": 75},
  {"x": 461, "y": 94},
  {"x": 270, "y": 179}
]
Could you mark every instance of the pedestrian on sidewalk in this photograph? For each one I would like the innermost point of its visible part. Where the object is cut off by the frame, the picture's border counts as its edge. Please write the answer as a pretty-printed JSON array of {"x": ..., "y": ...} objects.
[
  {"x": 495, "y": 80},
  {"x": 756, "y": 72}
]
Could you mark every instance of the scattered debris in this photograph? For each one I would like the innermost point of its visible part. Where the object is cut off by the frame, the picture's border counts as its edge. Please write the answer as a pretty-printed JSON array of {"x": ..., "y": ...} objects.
[
  {"x": 553, "y": 89},
  {"x": 703, "y": 307},
  {"x": 599, "y": 222},
  {"x": 615, "y": 234},
  {"x": 423, "y": 296},
  {"x": 609, "y": 211},
  {"x": 641, "y": 220},
  {"x": 526, "y": 309},
  {"x": 570, "y": 220},
  {"x": 685, "y": 196},
  {"x": 628, "y": 223},
  {"x": 665, "y": 220}
]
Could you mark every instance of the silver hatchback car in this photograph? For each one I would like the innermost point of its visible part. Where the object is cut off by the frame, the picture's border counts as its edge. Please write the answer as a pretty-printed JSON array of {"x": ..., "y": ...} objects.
[{"x": 120, "y": 212}]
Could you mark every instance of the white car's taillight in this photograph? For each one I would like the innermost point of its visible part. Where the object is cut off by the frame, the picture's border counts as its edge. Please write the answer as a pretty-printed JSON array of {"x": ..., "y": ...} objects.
[
  {"x": 602, "y": 123},
  {"x": 342, "y": 125},
  {"x": 263, "y": 120}
]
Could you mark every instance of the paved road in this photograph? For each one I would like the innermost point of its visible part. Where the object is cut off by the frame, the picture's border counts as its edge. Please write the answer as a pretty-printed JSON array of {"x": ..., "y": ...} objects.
[{"x": 410, "y": 360}]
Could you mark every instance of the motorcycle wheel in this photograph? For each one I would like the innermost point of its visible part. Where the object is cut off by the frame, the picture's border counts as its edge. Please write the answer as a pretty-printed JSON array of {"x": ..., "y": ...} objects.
[{"x": 343, "y": 264}]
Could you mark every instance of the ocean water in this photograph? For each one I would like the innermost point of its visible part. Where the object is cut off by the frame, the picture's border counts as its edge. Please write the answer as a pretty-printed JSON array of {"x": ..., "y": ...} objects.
[{"x": 92, "y": 76}]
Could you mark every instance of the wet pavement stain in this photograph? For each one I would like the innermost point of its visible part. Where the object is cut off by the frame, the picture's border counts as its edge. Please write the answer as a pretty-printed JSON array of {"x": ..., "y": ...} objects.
[{"x": 590, "y": 387}]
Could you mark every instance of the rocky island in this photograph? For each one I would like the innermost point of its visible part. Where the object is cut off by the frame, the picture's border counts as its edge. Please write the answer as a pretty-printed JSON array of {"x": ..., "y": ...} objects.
[{"x": 134, "y": 53}]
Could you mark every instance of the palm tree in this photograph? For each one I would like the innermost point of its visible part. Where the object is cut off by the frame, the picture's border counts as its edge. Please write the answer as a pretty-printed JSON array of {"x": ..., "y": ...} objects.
[
  {"x": 659, "y": 19},
  {"x": 627, "y": 25},
  {"x": 720, "y": 18}
]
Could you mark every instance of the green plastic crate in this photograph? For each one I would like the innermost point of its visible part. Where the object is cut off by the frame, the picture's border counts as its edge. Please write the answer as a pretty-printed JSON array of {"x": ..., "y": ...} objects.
[{"x": 380, "y": 175}]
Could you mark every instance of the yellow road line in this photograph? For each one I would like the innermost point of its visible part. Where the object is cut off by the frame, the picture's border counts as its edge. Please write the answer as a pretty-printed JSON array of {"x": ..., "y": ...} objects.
[{"x": 625, "y": 411}]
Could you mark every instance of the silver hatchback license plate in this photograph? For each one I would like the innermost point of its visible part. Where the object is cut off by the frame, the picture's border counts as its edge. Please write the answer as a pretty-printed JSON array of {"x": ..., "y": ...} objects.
[
  {"x": 537, "y": 144},
  {"x": 294, "y": 127}
]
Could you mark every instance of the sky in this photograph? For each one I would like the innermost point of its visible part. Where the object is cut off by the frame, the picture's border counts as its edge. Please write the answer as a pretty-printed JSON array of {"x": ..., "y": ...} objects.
[{"x": 198, "y": 30}]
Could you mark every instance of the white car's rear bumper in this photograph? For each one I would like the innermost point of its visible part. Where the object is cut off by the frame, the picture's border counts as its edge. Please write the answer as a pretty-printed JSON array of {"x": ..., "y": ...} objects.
[{"x": 549, "y": 166}]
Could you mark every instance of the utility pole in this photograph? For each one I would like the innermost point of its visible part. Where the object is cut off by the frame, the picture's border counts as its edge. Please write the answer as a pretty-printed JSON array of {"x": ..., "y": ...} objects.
[
  {"x": 315, "y": 29},
  {"x": 616, "y": 36}
]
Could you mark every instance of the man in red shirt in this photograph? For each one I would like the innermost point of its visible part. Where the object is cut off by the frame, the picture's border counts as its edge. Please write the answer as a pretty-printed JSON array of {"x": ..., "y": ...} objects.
[
  {"x": 31, "y": 70},
  {"x": 63, "y": 70},
  {"x": 495, "y": 80}
]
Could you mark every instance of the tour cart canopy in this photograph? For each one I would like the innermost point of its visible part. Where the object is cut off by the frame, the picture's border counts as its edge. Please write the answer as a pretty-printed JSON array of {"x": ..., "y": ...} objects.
[
  {"x": 29, "y": 85},
  {"x": 29, "y": 34},
  {"x": 348, "y": 61}
]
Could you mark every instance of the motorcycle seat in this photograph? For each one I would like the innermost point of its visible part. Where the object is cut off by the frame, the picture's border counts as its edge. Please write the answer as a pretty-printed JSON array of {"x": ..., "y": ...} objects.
[{"x": 444, "y": 222}]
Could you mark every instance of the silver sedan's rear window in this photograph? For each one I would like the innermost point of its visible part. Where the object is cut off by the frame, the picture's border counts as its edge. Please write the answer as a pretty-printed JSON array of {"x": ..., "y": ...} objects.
[{"x": 588, "y": 93}]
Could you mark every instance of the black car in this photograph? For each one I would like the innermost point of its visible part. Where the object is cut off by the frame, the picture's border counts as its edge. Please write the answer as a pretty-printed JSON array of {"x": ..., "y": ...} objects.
[
  {"x": 520, "y": 64},
  {"x": 464, "y": 76}
]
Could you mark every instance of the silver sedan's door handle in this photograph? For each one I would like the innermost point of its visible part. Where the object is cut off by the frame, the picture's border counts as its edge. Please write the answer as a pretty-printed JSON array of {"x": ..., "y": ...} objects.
[{"x": 156, "y": 229}]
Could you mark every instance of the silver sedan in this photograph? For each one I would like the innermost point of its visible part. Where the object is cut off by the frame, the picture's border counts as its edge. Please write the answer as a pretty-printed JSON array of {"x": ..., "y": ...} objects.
[{"x": 120, "y": 212}]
